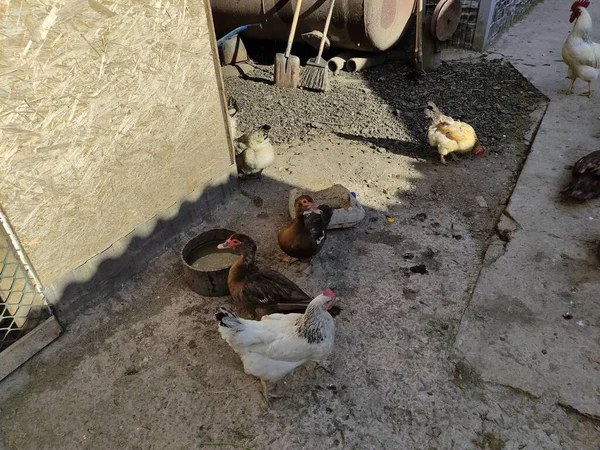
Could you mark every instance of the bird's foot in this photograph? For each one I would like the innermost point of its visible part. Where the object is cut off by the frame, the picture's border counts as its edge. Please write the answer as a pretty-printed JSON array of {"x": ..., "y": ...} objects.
[
  {"x": 250, "y": 176},
  {"x": 290, "y": 260},
  {"x": 305, "y": 267},
  {"x": 454, "y": 157},
  {"x": 569, "y": 90},
  {"x": 325, "y": 365},
  {"x": 443, "y": 160},
  {"x": 268, "y": 393},
  {"x": 587, "y": 94}
]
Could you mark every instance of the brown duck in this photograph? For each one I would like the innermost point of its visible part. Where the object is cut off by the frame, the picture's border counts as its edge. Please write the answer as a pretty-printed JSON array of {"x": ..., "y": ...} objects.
[
  {"x": 585, "y": 181},
  {"x": 304, "y": 237},
  {"x": 260, "y": 290}
]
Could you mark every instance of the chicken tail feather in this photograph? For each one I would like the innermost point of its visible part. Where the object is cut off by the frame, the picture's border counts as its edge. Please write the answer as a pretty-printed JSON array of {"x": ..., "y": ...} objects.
[
  {"x": 585, "y": 181},
  {"x": 227, "y": 318},
  {"x": 432, "y": 111},
  {"x": 232, "y": 107},
  {"x": 575, "y": 191}
]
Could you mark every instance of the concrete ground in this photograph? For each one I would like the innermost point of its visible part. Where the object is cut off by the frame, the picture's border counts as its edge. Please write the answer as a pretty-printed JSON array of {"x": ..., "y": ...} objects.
[
  {"x": 471, "y": 353},
  {"x": 514, "y": 332}
]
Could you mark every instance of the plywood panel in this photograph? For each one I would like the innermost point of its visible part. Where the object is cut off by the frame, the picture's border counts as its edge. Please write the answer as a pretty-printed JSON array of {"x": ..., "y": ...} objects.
[{"x": 109, "y": 113}]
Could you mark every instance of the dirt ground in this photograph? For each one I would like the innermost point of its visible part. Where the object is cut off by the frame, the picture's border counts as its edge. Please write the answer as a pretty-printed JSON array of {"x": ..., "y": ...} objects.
[{"x": 147, "y": 369}]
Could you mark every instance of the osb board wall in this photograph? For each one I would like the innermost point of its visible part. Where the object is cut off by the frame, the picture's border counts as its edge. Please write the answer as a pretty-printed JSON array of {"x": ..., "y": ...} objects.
[{"x": 109, "y": 113}]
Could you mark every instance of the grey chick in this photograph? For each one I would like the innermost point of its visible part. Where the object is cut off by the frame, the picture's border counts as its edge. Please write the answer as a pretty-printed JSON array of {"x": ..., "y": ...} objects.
[{"x": 254, "y": 152}]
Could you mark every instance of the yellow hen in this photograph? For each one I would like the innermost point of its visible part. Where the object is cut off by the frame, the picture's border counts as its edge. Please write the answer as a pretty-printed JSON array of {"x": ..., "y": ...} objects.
[{"x": 450, "y": 135}]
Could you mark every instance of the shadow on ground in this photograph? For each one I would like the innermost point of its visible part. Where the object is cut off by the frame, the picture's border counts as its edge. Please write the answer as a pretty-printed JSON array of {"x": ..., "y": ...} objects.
[{"x": 146, "y": 368}]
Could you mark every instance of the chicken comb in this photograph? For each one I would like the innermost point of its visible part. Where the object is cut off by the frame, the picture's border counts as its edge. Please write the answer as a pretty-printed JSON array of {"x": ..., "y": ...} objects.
[
  {"x": 580, "y": 3},
  {"x": 329, "y": 293}
]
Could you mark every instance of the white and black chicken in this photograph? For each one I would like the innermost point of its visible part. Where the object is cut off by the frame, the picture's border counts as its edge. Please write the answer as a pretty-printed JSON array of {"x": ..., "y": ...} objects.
[
  {"x": 254, "y": 152},
  {"x": 232, "y": 110},
  {"x": 279, "y": 343}
]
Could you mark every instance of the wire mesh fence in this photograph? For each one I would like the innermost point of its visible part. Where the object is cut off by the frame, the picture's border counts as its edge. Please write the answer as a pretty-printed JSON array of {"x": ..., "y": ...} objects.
[{"x": 22, "y": 306}]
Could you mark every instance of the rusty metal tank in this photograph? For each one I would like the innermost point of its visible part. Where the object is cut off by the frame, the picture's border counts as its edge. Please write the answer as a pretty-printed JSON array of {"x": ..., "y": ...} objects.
[{"x": 368, "y": 25}]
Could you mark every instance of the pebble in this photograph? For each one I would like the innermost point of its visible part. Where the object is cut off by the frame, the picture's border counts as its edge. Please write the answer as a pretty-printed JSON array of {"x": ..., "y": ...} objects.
[
  {"x": 385, "y": 102},
  {"x": 481, "y": 201}
]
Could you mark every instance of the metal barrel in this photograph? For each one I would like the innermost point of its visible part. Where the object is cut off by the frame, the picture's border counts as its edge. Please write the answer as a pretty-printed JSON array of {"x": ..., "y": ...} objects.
[{"x": 367, "y": 25}]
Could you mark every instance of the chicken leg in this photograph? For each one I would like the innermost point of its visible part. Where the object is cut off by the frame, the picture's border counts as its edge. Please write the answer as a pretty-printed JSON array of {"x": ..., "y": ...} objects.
[
  {"x": 325, "y": 365},
  {"x": 569, "y": 90},
  {"x": 587, "y": 94},
  {"x": 452, "y": 155},
  {"x": 251, "y": 176},
  {"x": 268, "y": 392},
  {"x": 305, "y": 266},
  {"x": 290, "y": 259}
]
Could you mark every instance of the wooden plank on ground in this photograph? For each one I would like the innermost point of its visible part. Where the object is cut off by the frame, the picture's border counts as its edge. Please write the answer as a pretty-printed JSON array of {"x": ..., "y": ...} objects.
[{"x": 19, "y": 352}]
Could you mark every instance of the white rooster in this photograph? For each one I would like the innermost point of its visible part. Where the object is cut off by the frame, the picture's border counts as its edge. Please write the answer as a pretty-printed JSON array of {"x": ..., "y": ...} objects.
[
  {"x": 279, "y": 343},
  {"x": 579, "y": 52}
]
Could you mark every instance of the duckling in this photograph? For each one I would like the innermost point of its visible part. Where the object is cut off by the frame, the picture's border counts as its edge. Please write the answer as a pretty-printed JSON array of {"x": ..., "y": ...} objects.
[
  {"x": 259, "y": 291},
  {"x": 254, "y": 152},
  {"x": 585, "y": 181},
  {"x": 304, "y": 237}
]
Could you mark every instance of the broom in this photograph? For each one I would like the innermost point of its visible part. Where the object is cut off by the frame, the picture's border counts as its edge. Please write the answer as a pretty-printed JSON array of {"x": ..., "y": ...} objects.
[{"x": 315, "y": 75}]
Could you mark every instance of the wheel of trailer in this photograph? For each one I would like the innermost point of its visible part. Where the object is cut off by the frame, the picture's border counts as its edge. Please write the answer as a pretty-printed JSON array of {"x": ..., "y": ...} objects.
[{"x": 446, "y": 18}]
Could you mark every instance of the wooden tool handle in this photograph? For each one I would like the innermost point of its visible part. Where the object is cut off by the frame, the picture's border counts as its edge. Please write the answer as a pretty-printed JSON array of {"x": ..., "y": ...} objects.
[
  {"x": 325, "y": 30},
  {"x": 288, "y": 49},
  {"x": 418, "y": 34},
  {"x": 421, "y": 7}
]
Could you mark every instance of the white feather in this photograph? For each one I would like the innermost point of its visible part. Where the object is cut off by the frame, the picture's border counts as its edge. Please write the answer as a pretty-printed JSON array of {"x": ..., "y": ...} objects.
[
  {"x": 254, "y": 151},
  {"x": 579, "y": 52},
  {"x": 273, "y": 347},
  {"x": 321, "y": 238}
]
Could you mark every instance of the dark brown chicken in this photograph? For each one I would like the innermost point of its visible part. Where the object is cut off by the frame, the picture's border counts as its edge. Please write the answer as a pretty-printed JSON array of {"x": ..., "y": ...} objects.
[
  {"x": 585, "y": 181},
  {"x": 258, "y": 291},
  {"x": 304, "y": 237}
]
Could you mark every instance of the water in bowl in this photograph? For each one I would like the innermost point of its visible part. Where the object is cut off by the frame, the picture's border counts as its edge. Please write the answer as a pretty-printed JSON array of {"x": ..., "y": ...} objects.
[{"x": 208, "y": 258}]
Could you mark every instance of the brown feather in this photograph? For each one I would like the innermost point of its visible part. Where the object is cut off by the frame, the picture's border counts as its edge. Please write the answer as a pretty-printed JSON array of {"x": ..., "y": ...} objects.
[
  {"x": 301, "y": 307},
  {"x": 588, "y": 164},
  {"x": 260, "y": 290},
  {"x": 585, "y": 179},
  {"x": 305, "y": 236}
]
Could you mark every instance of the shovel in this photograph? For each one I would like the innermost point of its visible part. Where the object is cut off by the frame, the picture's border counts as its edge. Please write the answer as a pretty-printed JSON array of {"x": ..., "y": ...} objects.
[{"x": 287, "y": 66}]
